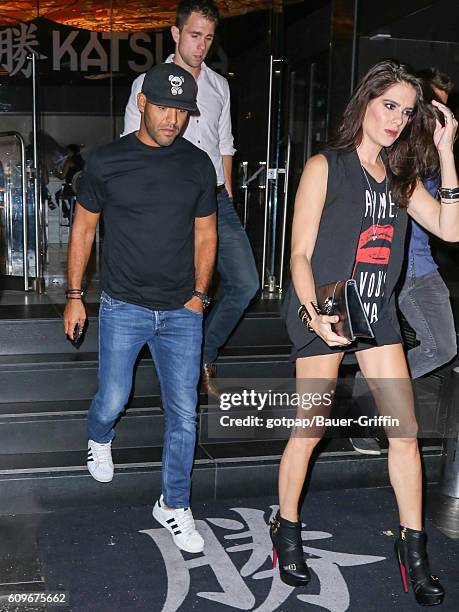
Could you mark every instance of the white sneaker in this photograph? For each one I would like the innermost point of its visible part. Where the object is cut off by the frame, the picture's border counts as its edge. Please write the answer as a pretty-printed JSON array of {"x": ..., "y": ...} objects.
[
  {"x": 100, "y": 464},
  {"x": 180, "y": 523}
]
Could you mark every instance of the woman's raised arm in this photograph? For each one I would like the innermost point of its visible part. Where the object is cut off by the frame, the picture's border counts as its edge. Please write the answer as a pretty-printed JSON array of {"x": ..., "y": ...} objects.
[{"x": 440, "y": 219}]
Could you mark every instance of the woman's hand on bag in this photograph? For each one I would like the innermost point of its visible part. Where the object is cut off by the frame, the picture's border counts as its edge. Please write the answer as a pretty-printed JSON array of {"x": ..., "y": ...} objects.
[{"x": 322, "y": 326}]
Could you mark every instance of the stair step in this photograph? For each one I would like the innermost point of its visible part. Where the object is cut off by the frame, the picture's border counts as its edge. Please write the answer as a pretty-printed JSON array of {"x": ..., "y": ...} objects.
[
  {"x": 48, "y": 481},
  {"x": 13, "y": 410},
  {"x": 60, "y": 426},
  {"x": 75, "y": 460},
  {"x": 67, "y": 376},
  {"x": 39, "y": 329},
  {"x": 139, "y": 427},
  {"x": 41, "y": 360},
  {"x": 11, "y": 465}
]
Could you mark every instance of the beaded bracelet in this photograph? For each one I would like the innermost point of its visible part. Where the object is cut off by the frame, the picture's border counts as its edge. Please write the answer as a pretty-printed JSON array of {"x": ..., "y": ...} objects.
[
  {"x": 448, "y": 193},
  {"x": 305, "y": 315},
  {"x": 449, "y": 201},
  {"x": 74, "y": 294}
]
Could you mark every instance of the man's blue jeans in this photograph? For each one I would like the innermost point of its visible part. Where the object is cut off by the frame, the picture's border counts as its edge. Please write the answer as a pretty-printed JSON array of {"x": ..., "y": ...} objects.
[
  {"x": 424, "y": 302},
  {"x": 238, "y": 274},
  {"x": 174, "y": 338}
]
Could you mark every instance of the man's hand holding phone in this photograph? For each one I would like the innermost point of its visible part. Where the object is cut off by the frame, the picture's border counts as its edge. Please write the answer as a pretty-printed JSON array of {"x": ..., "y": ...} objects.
[{"x": 74, "y": 315}]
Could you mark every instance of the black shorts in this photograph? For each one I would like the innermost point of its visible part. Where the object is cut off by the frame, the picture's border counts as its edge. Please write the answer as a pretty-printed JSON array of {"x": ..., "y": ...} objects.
[{"x": 385, "y": 333}]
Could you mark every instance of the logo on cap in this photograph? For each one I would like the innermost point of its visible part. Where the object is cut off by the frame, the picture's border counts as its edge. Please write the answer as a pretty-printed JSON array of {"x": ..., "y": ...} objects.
[
  {"x": 176, "y": 84},
  {"x": 172, "y": 86}
]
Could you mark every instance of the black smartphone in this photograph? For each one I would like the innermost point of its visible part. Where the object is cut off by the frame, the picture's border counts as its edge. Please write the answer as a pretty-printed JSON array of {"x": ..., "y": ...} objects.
[{"x": 77, "y": 333}]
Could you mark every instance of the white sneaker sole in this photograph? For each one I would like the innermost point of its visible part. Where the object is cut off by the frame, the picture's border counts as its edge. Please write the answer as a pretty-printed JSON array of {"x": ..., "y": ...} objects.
[
  {"x": 364, "y": 451},
  {"x": 158, "y": 516},
  {"x": 98, "y": 478}
]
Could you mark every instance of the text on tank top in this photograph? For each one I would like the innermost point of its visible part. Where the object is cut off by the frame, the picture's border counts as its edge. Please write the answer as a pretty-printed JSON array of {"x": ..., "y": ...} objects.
[{"x": 374, "y": 246}]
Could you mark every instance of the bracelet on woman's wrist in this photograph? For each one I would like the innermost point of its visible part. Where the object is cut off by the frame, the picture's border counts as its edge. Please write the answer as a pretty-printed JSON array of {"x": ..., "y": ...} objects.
[
  {"x": 306, "y": 317},
  {"x": 448, "y": 193},
  {"x": 448, "y": 201}
]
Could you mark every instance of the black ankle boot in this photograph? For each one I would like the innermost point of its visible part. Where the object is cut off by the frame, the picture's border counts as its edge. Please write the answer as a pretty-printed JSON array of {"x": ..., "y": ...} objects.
[
  {"x": 287, "y": 545},
  {"x": 410, "y": 549}
]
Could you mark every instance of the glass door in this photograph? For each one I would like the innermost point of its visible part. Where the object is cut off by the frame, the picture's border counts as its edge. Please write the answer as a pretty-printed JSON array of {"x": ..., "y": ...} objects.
[
  {"x": 307, "y": 86},
  {"x": 17, "y": 215}
]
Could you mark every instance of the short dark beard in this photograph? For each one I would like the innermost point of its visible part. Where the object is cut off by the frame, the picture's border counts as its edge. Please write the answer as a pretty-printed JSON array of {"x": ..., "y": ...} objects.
[{"x": 154, "y": 135}]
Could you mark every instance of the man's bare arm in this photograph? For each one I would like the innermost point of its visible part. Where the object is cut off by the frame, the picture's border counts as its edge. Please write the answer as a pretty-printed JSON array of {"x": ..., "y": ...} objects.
[
  {"x": 227, "y": 161},
  {"x": 205, "y": 251},
  {"x": 81, "y": 240}
]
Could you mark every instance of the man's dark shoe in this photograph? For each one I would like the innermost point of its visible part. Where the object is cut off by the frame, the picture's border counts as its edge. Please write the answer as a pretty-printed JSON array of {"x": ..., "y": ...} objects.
[
  {"x": 366, "y": 446},
  {"x": 208, "y": 384}
]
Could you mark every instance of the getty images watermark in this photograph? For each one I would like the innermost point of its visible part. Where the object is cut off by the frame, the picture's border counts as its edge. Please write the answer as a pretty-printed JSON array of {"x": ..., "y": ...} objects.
[
  {"x": 250, "y": 398},
  {"x": 256, "y": 400},
  {"x": 278, "y": 408}
]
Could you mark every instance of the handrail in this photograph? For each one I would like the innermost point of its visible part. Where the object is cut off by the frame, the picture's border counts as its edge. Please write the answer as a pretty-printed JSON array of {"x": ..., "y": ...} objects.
[
  {"x": 8, "y": 228},
  {"x": 36, "y": 171},
  {"x": 284, "y": 216},
  {"x": 268, "y": 157},
  {"x": 25, "y": 261}
]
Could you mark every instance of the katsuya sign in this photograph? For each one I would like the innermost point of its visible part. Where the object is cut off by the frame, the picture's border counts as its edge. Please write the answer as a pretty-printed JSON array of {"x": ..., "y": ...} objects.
[{"x": 77, "y": 51}]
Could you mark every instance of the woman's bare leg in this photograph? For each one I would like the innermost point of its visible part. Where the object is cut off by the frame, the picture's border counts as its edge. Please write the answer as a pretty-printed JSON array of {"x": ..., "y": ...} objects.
[
  {"x": 297, "y": 453},
  {"x": 396, "y": 399}
]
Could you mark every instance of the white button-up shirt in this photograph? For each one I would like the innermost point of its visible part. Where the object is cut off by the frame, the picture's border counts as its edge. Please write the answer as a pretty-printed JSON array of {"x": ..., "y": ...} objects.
[{"x": 211, "y": 129}]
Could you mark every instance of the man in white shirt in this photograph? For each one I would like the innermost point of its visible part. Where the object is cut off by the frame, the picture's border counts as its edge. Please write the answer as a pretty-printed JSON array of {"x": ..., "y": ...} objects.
[{"x": 210, "y": 130}]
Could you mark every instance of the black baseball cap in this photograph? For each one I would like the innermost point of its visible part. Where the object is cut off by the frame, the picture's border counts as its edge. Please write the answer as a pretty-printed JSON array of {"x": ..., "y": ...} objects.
[{"x": 170, "y": 85}]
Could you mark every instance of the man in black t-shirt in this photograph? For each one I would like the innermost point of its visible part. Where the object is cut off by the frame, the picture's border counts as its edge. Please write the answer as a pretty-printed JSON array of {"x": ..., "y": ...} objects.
[{"x": 157, "y": 193}]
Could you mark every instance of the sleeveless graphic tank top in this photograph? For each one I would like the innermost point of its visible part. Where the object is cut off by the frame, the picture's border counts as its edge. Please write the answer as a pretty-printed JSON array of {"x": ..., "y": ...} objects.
[{"x": 374, "y": 246}]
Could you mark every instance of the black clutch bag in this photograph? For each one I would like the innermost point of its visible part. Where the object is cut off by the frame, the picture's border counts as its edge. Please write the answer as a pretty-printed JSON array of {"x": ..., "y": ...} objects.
[{"x": 343, "y": 299}]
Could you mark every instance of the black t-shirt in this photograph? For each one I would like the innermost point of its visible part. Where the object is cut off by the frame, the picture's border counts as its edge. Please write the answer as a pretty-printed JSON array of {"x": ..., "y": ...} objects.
[
  {"x": 149, "y": 197},
  {"x": 374, "y": 247}
]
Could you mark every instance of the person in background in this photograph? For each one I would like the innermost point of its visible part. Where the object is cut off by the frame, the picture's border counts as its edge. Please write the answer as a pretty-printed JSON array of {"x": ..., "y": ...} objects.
[
  {"x": 73, "y": 163},
  {"x": 210, "y": 130}
]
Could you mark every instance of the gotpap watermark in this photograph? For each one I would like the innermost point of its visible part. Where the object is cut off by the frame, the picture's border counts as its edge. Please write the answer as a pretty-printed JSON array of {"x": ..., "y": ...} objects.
[
  {"x": 315, "y": 421},
  {"x": 276, "y": 409}
]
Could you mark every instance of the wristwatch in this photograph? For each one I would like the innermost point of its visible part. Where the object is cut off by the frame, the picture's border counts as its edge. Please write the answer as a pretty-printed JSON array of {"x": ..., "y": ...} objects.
[{"x": 205, "y": 299}]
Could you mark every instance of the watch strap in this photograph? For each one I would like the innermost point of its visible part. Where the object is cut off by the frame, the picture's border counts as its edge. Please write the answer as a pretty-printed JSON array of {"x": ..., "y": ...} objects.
[{"x": 205, "y": 299}]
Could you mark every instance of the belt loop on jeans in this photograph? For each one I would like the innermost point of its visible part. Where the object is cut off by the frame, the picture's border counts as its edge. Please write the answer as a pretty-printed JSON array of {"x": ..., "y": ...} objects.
[{"x": 221, "y": 188}]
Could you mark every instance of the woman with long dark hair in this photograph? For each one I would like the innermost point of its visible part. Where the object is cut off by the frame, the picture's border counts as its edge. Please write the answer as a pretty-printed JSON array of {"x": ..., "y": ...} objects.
[{"x": 350, "y": 222}]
